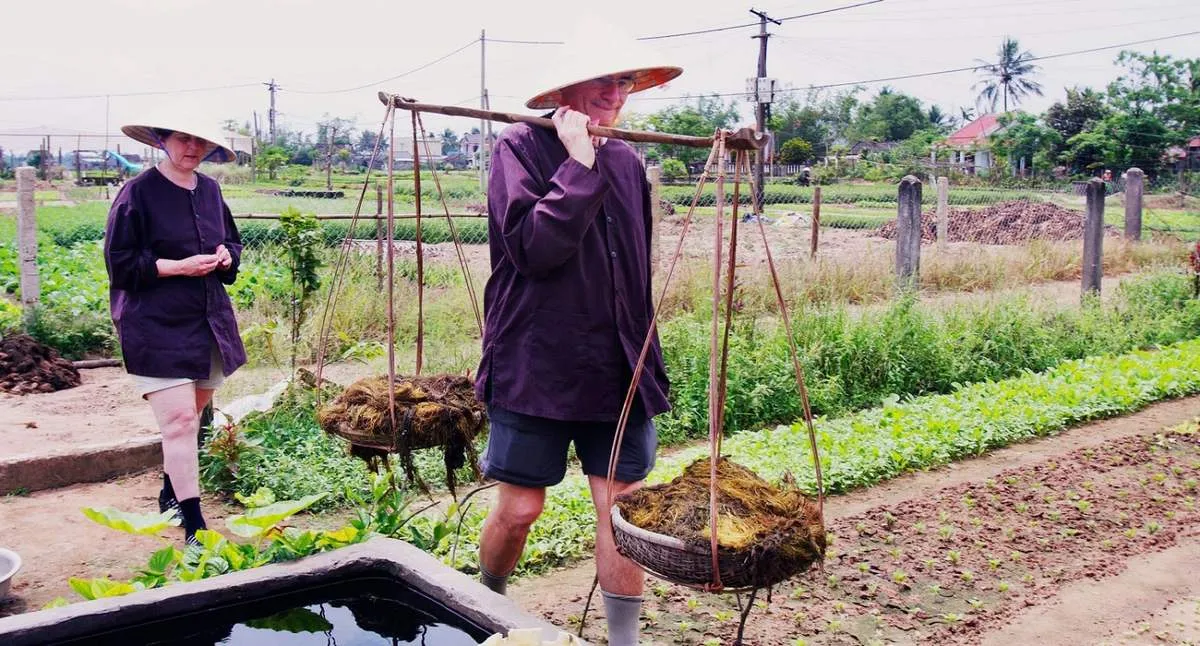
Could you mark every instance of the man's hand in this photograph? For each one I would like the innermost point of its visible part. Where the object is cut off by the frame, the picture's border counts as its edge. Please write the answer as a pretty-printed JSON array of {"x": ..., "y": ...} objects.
[
  {"x": 573, "y": 133},
  {"x": 197, "y": 265},
  {"x": 224, "y": 259}
]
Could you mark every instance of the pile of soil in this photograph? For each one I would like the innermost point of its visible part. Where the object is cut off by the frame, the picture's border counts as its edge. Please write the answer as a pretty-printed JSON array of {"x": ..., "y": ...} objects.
[
  {"x": 1011, "y": 222},
  {"x": 777, "y": 530},
  {"x": 27, "y": 366},
  {"x": 438, "y": 411}
]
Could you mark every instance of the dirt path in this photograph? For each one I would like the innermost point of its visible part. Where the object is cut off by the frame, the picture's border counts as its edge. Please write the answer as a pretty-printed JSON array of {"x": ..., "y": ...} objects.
[
  {"x": 104, "y": 408},
  {"x": 1049, "y": 597}
]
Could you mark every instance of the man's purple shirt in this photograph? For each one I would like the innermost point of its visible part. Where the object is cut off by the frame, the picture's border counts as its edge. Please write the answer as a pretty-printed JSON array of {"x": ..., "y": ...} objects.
[{"x": 568, "y": 303}]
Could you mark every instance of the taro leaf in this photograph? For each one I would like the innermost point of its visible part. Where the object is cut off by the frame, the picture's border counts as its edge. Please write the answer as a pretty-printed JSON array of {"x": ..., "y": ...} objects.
[
  {"x": 344, "y": 535},
  {"x": 58, "y": 602},
  {"x": 256, "y": 522},
  {"x": 100, "y": 588},
  {"x": 295, "y": 620},
  {"x": 130, "y": 523},
  {"x": 261, "y": 498},
  {"x": 162, "y": 559}
]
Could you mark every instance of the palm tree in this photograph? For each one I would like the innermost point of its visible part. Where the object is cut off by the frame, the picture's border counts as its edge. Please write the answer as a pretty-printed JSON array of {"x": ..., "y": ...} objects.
[{"x": 1008, "y": 76}]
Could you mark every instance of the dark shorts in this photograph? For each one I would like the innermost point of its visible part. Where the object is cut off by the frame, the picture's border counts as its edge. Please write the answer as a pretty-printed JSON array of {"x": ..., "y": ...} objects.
[{"x": 532, "y": 451}]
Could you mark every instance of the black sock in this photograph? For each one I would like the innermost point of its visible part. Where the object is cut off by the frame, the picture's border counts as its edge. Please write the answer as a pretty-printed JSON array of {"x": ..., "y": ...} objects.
[
  {"x": 167, "y": 490},
  {"x": 193, "y": 520}
]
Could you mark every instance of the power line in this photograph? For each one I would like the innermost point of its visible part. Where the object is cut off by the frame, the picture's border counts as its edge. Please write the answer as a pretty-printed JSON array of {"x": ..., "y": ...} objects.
[
  {"x": 69, "y": 97},
  {"x": 901, "y": 77},
  {"x": 755, "y": 24},
  {"x": 526, "y": 42},
  {"x": 390, "y": 78}
]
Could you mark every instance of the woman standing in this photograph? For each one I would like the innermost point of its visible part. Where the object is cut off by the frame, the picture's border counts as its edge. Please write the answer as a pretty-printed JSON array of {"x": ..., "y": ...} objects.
[{"x": 170, "y": 247}]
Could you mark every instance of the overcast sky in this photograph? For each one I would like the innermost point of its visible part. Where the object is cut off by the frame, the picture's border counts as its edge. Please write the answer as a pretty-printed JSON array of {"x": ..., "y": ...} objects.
[{"x": 316, "y": 48}]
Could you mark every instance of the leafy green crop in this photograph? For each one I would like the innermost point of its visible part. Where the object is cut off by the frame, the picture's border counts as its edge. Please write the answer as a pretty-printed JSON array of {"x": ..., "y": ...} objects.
[{"x": 923, "y": 432}]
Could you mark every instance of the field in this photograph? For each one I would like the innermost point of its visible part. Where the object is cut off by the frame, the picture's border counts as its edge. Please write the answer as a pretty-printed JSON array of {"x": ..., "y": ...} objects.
[{"x": 1006, "y": 462}]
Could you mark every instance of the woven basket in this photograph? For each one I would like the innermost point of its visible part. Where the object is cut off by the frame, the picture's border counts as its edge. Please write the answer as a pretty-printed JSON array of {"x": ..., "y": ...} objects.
[{"x": 670, "y": 559}]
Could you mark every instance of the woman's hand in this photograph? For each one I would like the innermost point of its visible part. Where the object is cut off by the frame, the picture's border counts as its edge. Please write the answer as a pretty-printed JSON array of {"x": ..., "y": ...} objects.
[
  {"x": 197, "y": 265},
  {"x": 573, "y": 133},
  {"x": 224, "y": 259}
]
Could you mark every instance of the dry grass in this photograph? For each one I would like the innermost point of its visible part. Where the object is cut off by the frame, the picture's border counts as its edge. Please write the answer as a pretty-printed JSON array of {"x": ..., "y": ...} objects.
[{"x": 870, "y": 278}]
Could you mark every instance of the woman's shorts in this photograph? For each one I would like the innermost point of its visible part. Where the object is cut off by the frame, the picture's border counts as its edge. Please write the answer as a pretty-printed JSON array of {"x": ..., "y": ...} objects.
[
  {"x": 216, "y": 376},
  {"x": 533, "y": 451}
]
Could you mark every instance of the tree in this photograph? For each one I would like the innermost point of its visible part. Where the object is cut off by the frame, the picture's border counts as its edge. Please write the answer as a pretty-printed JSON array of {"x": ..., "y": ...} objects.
[
  {"x": 366, "y": 142},
  {"x": 816, "y": 118},
  {"x": 795, "y": 151},
  {"x": 449, "y": 141},
  {"x": 1082, "y": 109},
  {"x": 1008, "y": 77},
  {"x": 1161, "y": 85},
  {"x": 891, "y": 116},
  {"x": 270, "y": 159},
  {"x": 706, "y": 117},
  {"x": 938, "y": 119},
  {"x": 1023, "y": 136}
]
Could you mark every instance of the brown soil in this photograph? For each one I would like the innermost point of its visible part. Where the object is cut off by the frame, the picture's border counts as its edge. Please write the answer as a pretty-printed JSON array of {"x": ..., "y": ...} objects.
[
  {"x": 1011, "y": 222},
  {"x": 1044, "y": 529},
  {"x": 57, "y": 542},
  {"x": 27, "y": 366}
]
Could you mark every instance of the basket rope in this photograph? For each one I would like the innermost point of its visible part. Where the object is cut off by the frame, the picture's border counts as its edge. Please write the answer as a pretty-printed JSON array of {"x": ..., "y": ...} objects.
[{"x": 719, "y": 347}]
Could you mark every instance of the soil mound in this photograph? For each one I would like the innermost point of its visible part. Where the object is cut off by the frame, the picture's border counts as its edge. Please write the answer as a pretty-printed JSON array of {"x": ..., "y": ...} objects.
[
  {"x": 1011, "y": 222},
  {"x": 27, "y": 366}
]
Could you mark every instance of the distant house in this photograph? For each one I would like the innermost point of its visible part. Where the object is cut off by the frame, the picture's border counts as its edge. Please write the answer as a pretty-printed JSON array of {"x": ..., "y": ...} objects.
[
  {"x": 470, "y": 143},
  {"x": 1186, "y": 157},
  {"x": 970, "y": 146}
]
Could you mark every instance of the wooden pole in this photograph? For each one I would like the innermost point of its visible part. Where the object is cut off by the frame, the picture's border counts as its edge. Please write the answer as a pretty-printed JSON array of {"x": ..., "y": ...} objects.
[
  {"x": 816, "y": 222},
  {"x": 742, "y": 139}
]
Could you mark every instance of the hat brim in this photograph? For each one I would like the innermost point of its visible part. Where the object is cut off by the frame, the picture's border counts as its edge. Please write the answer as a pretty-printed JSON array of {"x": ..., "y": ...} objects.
[
  {"x": 643, "y": 79},
  {"x": 146, "y": 134}
]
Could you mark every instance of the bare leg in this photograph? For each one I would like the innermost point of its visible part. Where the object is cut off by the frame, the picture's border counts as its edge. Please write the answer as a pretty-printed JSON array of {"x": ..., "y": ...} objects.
[
  {"x": 507, "y": 526},
  {"x": 203, "y": 397},
  {"x": 175, "y": 411},
  {"x": 618, "y": 574}
]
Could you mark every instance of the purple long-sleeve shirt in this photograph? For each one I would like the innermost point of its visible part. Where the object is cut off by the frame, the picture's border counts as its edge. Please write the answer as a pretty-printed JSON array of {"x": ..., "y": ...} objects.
[
  {"x": 568, "y": 304},
  {"x": 167, "y": 326}
]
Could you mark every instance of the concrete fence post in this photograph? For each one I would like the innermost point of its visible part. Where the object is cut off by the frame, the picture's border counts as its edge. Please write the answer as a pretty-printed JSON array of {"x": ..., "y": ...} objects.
[
  {"x": 1134, "y": 187},
  {"x": 27, "y": 237},
  {"x": 654, "y": 177},
  {"x": 943, "y": 212},
  {"x": 816, "y": 222},
  {"x": 908, "y": 233},
  {"x": 1093, "y": 237}
]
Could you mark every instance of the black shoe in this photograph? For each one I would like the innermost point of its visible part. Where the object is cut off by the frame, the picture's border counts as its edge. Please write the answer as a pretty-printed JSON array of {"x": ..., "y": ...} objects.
[{"x": 167, "y": 502}]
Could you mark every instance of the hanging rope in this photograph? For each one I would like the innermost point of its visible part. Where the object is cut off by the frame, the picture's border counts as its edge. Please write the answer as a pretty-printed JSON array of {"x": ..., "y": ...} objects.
[
  {"x": 458, "y": 244},
  {"x": 420, "y": 253},
  {"x": 343, "y": 259}
]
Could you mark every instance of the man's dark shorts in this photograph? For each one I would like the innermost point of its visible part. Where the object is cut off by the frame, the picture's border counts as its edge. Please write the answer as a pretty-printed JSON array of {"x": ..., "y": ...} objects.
[{"x": 532, "y": 451}]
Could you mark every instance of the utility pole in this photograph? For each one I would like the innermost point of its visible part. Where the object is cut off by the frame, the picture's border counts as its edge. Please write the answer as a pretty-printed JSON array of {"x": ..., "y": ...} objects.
[
  {"x": 329, "y": 158},
  {"x": 271, "y": 115},
  {"x": 483, "y": 105},
  {"x": 764, "y": 90}
]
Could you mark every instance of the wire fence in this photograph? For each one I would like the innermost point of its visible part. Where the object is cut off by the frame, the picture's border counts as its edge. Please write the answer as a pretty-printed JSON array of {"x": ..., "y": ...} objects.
[{"x": 1168, "y": 208}]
